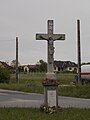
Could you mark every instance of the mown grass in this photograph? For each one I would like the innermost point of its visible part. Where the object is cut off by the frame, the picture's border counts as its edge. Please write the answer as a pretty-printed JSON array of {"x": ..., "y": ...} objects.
[
  {"x": 36, "y": 114},
  {"x": 33, "y": 83},
  {"x": 75, "y": 91}
]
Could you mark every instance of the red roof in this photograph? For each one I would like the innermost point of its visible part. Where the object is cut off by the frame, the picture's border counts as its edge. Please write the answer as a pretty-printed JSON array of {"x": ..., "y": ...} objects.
[{"x": 5, "y": 65}]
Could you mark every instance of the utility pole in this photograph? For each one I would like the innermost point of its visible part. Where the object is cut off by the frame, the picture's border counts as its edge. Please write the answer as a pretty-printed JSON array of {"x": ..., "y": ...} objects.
[
  {"x": 78, "y": 51},
  {"x": 17, "y": 59}
]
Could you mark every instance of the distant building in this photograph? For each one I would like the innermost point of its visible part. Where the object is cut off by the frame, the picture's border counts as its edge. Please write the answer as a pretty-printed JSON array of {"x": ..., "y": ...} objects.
[
  {"x": 65, "y": 66},
  {"x": 5, "y": 65},
  {"x": 27, "y": 68}
]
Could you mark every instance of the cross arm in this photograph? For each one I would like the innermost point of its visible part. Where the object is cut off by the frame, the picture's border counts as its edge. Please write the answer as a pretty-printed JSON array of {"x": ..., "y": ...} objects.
[
  {"x": 58, "y": 36},
  {"x": 42, "y": 37},
  {"x": 50, "y": 36}
]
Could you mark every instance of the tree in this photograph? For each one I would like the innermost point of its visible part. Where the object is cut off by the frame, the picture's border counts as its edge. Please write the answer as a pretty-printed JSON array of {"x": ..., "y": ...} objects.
[
  {"x": 13, "y": 63},
  {"x": 4, "y": 75},
  {"x": 41, "y": 66}
]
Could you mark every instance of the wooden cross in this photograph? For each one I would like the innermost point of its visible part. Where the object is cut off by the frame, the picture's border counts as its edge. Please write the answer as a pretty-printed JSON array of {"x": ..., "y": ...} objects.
[{"x": 50, "y": 37}]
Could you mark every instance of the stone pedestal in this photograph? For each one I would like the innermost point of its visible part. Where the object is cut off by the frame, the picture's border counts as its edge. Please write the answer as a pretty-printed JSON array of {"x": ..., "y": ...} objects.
[{"x": 50, "y": 90}]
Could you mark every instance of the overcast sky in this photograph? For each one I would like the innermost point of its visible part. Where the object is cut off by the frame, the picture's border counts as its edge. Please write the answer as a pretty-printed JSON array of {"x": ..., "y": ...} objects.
[{"x": 25, "y": 18}]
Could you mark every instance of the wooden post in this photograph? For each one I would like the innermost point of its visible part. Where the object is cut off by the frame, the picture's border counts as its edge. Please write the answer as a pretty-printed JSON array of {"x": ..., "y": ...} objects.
[
  {"x": 17, "y": 59},
  {"x": 78, "y": 51}
]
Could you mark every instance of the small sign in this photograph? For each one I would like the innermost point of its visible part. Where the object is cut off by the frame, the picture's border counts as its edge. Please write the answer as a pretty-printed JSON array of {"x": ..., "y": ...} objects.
[{"x": 51, "y": 95}]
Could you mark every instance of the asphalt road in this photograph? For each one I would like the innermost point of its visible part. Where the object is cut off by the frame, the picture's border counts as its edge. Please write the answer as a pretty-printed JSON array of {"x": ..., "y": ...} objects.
[{"x": 21, "y": 99}]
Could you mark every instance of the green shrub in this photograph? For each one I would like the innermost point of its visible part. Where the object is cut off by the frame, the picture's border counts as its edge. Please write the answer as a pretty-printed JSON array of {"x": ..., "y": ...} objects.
[{"x": 4, "y": 75}]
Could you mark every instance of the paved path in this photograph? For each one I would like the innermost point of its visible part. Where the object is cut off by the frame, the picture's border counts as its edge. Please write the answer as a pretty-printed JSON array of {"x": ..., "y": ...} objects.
[{"x": 21, "y": 99}]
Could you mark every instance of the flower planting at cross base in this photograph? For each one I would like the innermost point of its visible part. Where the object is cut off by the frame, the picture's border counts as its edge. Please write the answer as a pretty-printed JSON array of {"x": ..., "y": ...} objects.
[{"x": 48, "y": 109}]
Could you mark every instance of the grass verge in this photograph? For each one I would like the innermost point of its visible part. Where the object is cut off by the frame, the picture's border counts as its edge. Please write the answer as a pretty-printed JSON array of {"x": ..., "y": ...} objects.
[
  {"x": 33, "y": 83},
  {"x": 36, "y": 114}
]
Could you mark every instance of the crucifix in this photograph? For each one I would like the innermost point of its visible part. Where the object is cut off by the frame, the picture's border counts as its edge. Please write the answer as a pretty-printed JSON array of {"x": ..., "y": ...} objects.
[
  {"x": 50, "y": 79},
  {"x": 50, "y": 37}
]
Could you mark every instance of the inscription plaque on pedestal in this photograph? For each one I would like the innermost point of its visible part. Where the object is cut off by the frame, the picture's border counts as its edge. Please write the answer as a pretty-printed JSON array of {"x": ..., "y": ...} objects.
[{"x": 51, "y": 96}]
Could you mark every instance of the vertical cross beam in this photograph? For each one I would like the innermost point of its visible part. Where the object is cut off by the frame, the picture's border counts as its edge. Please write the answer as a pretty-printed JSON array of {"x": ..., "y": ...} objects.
[{"x": 50, "y": 50}]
